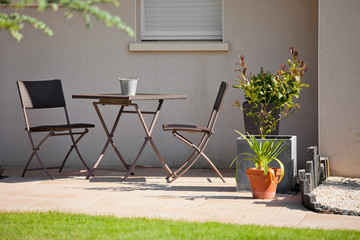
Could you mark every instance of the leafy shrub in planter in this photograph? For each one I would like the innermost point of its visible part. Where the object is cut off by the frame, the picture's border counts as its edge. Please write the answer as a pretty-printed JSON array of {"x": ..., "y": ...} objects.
[{"x": 277, "y": 89}]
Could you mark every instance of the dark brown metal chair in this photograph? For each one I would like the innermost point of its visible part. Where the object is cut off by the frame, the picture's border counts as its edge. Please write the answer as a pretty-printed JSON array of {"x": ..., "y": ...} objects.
[
  {"x": 206, "y": 131},
  {"x": 48, "y": 94}
]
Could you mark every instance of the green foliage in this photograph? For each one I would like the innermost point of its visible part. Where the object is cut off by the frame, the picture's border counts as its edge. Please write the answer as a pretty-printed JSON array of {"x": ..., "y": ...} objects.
[
  {"x": 55, "y": 225},
  {"x": 264, "y": 153},
  {"x": 14, "y": 22},
  {"x": 278, "y": 89}
]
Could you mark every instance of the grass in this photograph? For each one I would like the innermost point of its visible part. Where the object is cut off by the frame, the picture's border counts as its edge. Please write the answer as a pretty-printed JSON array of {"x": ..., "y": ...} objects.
[{"x": 55, "y": 225}]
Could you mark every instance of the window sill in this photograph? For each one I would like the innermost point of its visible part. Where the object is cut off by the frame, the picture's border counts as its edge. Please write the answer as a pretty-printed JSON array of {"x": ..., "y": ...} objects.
[{"x": 179, "y": 47}]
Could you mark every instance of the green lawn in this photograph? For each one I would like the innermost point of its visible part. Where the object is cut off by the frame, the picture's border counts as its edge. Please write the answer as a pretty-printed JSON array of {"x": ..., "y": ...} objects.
[{"x": 55, "y": 225}]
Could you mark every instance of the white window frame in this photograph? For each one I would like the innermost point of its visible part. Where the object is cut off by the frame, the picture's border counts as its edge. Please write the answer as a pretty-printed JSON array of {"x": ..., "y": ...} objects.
[{"x": 179, "y": 35}]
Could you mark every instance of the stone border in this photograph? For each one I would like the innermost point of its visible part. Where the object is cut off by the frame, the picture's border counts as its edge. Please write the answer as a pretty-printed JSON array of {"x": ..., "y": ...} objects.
[
  {"x": 330, "y": 210},
  {"x": 317, "y": 170}
]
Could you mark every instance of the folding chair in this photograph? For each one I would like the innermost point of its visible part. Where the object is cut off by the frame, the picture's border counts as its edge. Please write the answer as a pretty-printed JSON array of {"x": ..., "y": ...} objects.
[
  {"x": 48, "y": 94},
  {"x": 206, "y": 131}
]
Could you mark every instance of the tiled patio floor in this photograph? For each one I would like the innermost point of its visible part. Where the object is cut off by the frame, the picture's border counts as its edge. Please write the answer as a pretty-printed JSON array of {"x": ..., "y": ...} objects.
[{"x": 198, "y": 196}]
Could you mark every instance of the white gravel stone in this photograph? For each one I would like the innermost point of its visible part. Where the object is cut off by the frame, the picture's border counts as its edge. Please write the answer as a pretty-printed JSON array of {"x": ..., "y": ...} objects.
[{"x": 339, "y": 192}]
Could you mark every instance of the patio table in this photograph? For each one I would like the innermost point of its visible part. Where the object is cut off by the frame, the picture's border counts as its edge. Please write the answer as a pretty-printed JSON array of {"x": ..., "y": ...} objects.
[{"x": 125, "y": 101}]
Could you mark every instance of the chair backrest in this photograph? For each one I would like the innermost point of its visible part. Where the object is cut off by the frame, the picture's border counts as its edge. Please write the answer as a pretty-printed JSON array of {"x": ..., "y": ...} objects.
[
  {"x": 41, "y": 94},
  {"x": 220, "y": 96},
  {"x": 217, "y": 105}
]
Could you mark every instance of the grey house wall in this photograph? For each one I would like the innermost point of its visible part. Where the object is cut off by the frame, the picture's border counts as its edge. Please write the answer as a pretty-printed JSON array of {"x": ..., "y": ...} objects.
[
  {"x": 91, "y": 61},
  {"x": 339, "y": 85}
]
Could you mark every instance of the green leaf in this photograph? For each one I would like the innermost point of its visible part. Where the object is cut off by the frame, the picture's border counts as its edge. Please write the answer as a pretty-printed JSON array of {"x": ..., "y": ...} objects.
[
  {"x": 54, "y": 6},
  {"x": 68, "y": 14},
  {"x": 42, "y": 5}
]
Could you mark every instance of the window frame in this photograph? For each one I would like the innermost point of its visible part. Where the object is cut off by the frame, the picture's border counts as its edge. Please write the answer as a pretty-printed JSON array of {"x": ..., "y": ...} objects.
[{"x": 184, "y": 35}]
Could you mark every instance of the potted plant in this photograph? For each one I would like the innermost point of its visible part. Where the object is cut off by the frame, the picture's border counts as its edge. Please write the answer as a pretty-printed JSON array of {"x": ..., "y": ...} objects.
[
  {"x": 269, "y": 97},
  {"x": 263, "y": 179}
]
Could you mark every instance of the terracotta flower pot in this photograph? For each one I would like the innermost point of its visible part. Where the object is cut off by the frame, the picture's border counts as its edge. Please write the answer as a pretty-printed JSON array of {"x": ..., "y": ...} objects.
[{"x": 261, "y": 185}]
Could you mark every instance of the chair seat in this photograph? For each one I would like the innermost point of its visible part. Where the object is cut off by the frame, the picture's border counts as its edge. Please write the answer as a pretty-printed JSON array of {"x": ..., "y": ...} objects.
[
  {"x": 184, "y": 127},
  {"x": 65, "y": 127}
]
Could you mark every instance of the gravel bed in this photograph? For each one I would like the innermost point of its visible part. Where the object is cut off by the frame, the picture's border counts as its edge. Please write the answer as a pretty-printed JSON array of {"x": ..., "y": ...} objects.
[{"x": 339, "y": 195}]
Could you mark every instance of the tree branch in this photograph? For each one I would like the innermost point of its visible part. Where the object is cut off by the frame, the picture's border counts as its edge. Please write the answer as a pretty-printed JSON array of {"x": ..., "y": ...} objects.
[{"x": 14, "y": 22}]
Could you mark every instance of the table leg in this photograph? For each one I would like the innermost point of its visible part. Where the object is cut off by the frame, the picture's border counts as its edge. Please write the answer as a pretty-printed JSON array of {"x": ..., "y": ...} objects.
[
  {"x": 136, "y": 160},
  {"x": 148, "y": 137},
  {"x": 159, "y": 156},
  {"x": 109, "y": 140}
]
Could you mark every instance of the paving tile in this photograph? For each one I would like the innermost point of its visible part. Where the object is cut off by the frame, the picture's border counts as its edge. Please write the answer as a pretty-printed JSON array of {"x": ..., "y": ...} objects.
[
  {"x": 56, "y": 194},
  {"x": 133, "y": 201},
  {"x": 69, "y": 203},
  {"x": 101, "y": 204},
  {"x": 261, "y": 211},
  {"x": 190, "y": 214},
  {"x": 267, "y": 220},
  {"x": 329, "y": 221},
  {"x": 231, "y": 204},
  {"x": 296, "y": 210},
  {"x": 13, "y": 203},
  {"x": 169, "y": 203},
  {"x": 229, "y": 215}
]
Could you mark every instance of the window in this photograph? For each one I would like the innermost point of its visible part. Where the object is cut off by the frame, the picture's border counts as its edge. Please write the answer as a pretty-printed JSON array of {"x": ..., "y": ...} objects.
[{"x": 181, "y": 20}]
